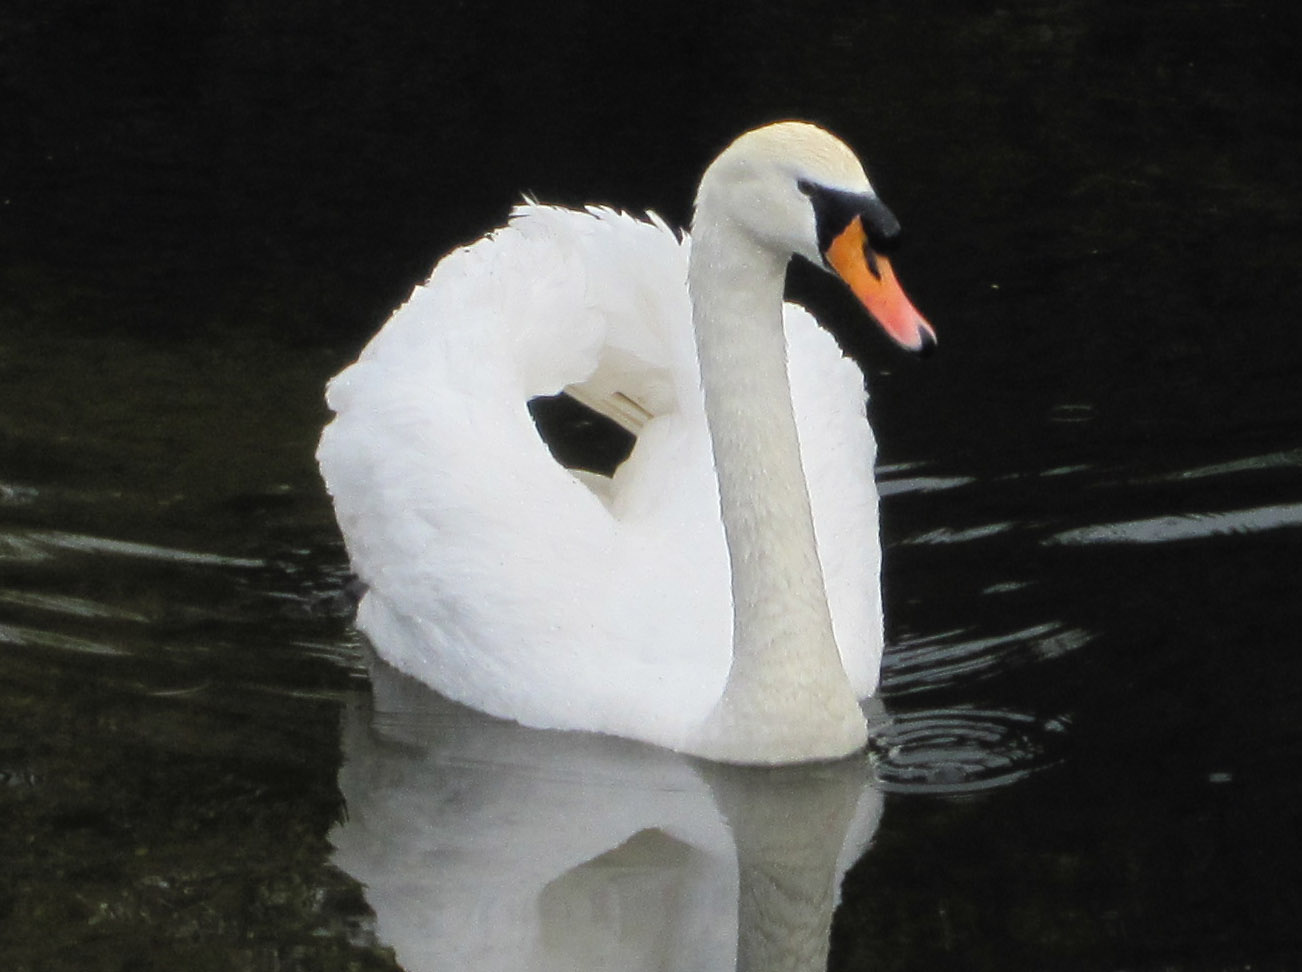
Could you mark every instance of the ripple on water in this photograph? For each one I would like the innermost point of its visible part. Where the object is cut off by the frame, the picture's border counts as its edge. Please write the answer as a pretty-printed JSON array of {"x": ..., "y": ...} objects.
[
  {"x": 1193, "y": 526},
  {"x": 947, "y": 535},
  {"x": 961, "y": 750},
  {"x": 921, "y": 484},
  {"x": 39, "y": 545},
  {"x": 950, "y": 658},
  {"x": 70, "y": 605},
  {"x": 1284, "y": 459},
  {"x": 12, "y": 634}
]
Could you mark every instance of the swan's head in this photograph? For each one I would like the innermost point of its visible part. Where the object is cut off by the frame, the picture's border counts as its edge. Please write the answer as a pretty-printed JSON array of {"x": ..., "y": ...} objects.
[{"x": 794, "y": 188}]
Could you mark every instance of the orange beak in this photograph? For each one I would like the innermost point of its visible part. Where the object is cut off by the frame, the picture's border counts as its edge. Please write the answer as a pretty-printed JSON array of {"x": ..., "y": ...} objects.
[{"x": 870, "y": 276}]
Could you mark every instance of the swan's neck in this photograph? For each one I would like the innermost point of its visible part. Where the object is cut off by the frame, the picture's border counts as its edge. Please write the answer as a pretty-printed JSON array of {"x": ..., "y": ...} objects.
[{"x": 787, "y": 696}]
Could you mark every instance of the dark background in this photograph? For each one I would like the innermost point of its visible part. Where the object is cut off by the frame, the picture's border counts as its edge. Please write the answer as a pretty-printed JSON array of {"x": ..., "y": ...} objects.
[{"x": 296, "y": 167}]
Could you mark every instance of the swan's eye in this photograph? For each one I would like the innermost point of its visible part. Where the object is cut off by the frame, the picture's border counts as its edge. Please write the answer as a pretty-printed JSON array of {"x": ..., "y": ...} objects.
[
  {"x": 834, "y": 209},
  {"x": 805, "y": 186}
]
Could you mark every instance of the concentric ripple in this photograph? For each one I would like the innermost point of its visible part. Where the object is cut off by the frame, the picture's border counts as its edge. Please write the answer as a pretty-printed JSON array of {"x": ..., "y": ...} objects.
[{"x": 961, "y": 750}]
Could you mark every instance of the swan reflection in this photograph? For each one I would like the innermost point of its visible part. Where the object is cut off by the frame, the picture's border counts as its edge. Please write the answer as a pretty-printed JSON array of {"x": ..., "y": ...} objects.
[{"x": 482, "y": 845}]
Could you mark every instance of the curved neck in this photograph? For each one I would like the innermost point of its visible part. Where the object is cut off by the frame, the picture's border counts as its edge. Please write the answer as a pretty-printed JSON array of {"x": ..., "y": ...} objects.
[
  {"x": 787, "y": 696},
  {"x": 736, "y": 290}
]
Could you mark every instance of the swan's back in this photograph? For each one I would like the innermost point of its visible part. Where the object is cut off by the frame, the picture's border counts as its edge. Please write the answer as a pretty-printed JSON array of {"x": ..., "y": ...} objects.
[{"x": 498, "y": 577}]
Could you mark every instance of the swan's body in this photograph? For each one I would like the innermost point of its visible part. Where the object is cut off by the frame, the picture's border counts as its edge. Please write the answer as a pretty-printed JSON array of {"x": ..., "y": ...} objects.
[{"x": 719, "y": 595}]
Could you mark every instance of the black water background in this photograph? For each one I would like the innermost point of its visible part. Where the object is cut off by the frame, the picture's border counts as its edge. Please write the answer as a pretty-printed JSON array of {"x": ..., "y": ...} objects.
[{"x": 205, "y": 211}]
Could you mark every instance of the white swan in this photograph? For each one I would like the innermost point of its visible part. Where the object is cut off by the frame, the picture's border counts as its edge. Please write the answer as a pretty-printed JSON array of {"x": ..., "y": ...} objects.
[{"x": 719, "y": 595}]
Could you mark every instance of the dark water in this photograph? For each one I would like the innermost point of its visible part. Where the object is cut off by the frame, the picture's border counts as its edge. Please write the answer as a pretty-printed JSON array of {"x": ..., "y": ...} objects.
[{"x": 1092, "y": 495}]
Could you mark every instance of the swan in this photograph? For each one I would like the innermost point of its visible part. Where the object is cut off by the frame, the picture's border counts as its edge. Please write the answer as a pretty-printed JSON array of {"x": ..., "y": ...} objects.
[{"x": 717, "y": 595}]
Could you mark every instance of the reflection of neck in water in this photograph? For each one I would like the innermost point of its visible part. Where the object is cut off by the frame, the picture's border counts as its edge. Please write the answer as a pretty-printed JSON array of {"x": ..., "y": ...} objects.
[
  {"x": 790, "y": 831},
  {"x": 482, "y": 845}
]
